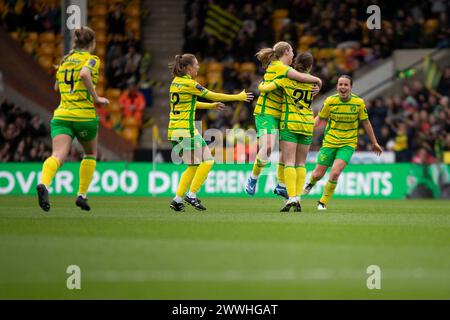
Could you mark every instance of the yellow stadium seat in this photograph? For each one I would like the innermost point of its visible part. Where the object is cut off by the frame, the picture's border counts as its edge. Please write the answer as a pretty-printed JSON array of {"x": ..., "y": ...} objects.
[
  {"x": 99, "y": 25},
  {"x": 129, "y": 122},
  {"x": 101, "y": 52},
  {"x": 214, "y": 77},
  {"x": 131, "y": 134},
  {"x": 15, "y": 36},
  {"x": 46, "y": 62},
  {"x": 46, "y": 50},
  {"x": 100, "y": 10},
  {"x": 58, "y": 50},
  {"x": 133, "y": 11},
  {"x": 133, "y": 25},
  {"x": 248, "y": 67},
  {"x": 29, "y": 47},
  {"x": 113, "y": 106},
  {"x": 112, "y": 93},
  {"x": 216, "y": 67},
  {"x": 277, "y": 24},
  {"x": 280, "y": 13},
  {"x": 33, "y": 36},
  {"x": 47, "y": 37},
  {"x": 58, "y": 38},
  {"x": 115, "y": 118}
]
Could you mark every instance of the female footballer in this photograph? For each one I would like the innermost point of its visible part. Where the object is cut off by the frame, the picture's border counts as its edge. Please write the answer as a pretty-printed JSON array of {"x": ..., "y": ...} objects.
[
  {"x": 344, "y": 111},
  {"x": 267, "y": 112},
  {"x": 75, "y": 116},
  {"x": 296, "y": 128},
  {"x": 185, "y": 138}
]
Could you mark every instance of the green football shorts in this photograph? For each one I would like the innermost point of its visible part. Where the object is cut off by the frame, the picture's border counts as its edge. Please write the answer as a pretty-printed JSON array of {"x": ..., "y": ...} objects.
[
  {"x": 298, "y": 138},
  {"x": 327, "y": 155},
  {"x": 82, "y": 130},
  {"x": 266, "y": 124},
  {"x": 188, "y": 143}
]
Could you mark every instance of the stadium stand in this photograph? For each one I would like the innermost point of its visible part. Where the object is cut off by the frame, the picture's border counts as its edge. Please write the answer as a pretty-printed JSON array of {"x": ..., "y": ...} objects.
[
  {"x": 36, "y": 26},
  {"x": 310, "y": 26},
  {"x": 24, "y": 137}
]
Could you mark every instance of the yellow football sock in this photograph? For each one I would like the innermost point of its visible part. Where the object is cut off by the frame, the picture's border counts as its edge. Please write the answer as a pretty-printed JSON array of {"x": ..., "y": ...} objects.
[
  {"x": 49, "y": 168},
  {"x": 280, "y": 174},
  {"x": 301, "y": 176},
  {"x": 201, "y": 175},
  {"x": 258, "y": 166},
  {"x": 291, "y": 180},
  {"x": 87, "y": 169},
  {"x": 186, "y": 179},
  {"x": 328, "y": 191}
]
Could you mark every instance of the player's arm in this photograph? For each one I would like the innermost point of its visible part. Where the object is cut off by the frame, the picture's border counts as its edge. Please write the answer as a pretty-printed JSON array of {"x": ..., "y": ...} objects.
[
  {"x": 210, "y": 106},
  {"x": 303, "y": 77},
  {"x": 268, "y": 86},
  {"x": 369, "y": 130},
  {"x": 215, "y": 96},
  {"x": 85, "y": 75},
  {"x": 197, "y": 89},
  {"x": 323, "y": 115}
]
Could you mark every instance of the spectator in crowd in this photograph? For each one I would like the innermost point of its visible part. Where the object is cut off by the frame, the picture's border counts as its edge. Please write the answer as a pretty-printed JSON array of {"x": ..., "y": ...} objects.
[
  {"x": 116, "y": 20},
  {"x": 11, "y": 20},
  {"x": 132, "y": 103},
  {"x": 23, "y": 136}
]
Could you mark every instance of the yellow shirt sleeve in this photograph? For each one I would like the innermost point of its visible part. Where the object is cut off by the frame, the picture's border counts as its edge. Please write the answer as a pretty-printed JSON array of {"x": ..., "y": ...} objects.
[
  {"x": 93, "y": 64},
  {"x": 363, "y": 112},
  {"x": 325, "y": 112},
  {"x": 269, "y": 86}
]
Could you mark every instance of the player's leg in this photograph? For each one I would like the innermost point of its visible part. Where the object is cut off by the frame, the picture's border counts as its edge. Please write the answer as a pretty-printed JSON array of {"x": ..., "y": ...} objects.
[
  {"x": 280, "y": 189},
  {"x": 343, "y": 156},
  {"x": 86, "y": 133},
  {"x": 331, "y": 184},
  {"x": 288, "y": 144},
  {"x": 267, "y": 127},
  {"x": 325, "y": 159},
  {"x": 300, "y": 162},
  {"x": 205, "y": 159},
  {"x": 184, "y": 147},
  {"x": 62, "y": 136}
]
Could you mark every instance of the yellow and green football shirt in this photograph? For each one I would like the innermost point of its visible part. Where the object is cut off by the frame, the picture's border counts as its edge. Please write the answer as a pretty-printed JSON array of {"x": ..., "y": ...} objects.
[
  {"x": 343, "y": 120},
  {"x": 76, "y": 102},
  {"x": 183, "y": 97},
  {"x": 296, "y": 113},
  {"x": 269, "y": 103}
]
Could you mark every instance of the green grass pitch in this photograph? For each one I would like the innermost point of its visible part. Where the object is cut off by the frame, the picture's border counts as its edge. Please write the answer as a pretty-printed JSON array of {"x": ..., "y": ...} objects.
[{"x": 241, "y": 248}]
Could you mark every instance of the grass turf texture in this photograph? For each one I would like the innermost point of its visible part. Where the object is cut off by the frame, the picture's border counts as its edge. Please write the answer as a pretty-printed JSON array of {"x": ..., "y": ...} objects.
[{"x": 136, "y": 247}]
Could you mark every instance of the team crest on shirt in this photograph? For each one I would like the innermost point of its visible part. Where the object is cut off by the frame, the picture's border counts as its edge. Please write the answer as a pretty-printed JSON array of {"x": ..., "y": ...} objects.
[
  {"x": 199, "y": 87},
  {"x": 83, "y": 133},
  {"x": 92, "y": 62},
  {"x": 353, "y": 109}
]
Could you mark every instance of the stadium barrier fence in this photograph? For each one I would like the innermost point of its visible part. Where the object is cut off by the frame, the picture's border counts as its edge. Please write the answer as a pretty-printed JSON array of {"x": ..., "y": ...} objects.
[{"x": 375, "y": 181}]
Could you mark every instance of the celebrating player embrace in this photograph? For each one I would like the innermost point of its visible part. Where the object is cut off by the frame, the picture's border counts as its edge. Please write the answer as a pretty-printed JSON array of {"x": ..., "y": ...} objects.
[
  {"x": 344, "y": 112},
  {"x": 296, "y": 128},
  {"x": 267, "y": 112}
]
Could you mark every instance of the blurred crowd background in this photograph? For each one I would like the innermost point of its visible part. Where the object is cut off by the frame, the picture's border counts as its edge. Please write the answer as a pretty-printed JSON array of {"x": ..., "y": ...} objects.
[{"x": 414, "y": 123}]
